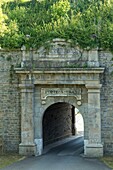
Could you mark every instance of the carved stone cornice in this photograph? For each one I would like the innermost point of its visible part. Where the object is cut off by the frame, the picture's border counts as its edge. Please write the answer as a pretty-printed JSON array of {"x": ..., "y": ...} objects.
[
  {"x": 25, "y": 88},
  {"x": 62, "y": 70},
  {"x": 93, "y": 88}
]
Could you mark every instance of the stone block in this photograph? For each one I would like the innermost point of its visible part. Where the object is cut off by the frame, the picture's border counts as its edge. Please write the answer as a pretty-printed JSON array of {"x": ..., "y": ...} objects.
[
  {"x": 25, "y": 149},
  {"x": 94, "y": 150}
]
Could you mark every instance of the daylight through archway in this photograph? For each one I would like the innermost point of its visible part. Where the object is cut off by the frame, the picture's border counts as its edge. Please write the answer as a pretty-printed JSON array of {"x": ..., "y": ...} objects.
[{"x": 79, "y": 123}]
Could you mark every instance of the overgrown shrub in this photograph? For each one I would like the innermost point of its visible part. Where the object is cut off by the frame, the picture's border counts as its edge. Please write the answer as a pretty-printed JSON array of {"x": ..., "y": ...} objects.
[{"x": 87, "y": 23}]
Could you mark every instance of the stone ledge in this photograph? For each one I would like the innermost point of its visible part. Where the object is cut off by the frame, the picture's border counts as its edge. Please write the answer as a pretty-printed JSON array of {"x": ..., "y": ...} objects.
[
  {"x": 27, "y": 149},
  {"x": 62, "y": 70},
  {"x": 94, "y": 150},
  {"x": 94, "y": 146}
]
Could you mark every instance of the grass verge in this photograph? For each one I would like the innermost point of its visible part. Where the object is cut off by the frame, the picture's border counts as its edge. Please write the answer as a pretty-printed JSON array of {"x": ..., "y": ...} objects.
[
  {"x": 108, "y": 160},
  {"x": 8, "y": 159}
]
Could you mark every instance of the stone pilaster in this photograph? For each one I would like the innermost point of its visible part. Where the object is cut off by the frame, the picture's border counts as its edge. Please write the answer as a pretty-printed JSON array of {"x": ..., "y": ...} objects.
[
  {"x": 73, "y": 121},
  {"x": 27, "y": 146},
  {"x": 93, "y": 58},
  {"x": 94, "y": 147}
]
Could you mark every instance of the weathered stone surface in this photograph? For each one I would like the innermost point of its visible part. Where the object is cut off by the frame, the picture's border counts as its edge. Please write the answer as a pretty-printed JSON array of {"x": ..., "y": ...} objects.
[
  {"x": 106, "y": 60},
  {"x": 21, "y": 113},
  {"x": 9, "y": 100}
]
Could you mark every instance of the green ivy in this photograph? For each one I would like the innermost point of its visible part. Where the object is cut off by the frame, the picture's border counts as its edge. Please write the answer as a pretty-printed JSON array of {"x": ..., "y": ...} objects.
[{"x": 87, "y": 23}]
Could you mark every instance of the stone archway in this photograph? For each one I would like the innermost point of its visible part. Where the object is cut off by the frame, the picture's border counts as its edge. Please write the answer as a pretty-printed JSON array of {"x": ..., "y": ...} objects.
[
  {"x": 80, "y": 87},
  {"x": 72, "y": 104}
]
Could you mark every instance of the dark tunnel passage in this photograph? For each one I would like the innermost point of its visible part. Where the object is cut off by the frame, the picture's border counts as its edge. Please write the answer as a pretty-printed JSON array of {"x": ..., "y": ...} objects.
[{"x": 59, "y": 122}]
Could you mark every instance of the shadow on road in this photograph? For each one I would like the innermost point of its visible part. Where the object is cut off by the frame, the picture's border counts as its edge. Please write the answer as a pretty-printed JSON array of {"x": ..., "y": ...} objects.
[{"x": 71, "y": 146}]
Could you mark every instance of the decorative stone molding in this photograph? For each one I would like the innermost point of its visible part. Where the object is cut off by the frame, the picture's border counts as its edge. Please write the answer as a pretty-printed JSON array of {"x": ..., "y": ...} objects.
[
  {"x": 26, "y": 88},
  {"x": 70, "y": 81},
  {"x": 94, "y": 147},
  {"x": 54, "y": 92},
  {"x": 23, "y": 49},
  {"x": 93, "y": 86},
  {"x": 93, "y": 58},
  {"x": 27, "y": 145}
]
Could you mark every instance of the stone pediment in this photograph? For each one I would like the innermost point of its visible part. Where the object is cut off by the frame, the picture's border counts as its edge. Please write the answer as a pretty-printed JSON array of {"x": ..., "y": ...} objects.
[
  {"x": 59, "y": 54},
  {"x": 60, "y": 49}
]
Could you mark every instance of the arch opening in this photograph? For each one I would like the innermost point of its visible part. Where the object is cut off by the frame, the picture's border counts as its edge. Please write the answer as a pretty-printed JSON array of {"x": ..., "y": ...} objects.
[
  {"x": 79, "y": 123},
  {"x": 60, "y": 121}
]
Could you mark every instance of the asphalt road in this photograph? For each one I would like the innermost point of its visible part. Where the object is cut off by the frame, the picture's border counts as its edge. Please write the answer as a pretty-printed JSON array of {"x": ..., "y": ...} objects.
[{"x": 64, "y": 157}]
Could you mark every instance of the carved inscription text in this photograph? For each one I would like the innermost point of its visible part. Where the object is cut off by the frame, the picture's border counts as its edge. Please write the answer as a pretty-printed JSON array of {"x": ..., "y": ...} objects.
[{"x": 46, "y": 92}]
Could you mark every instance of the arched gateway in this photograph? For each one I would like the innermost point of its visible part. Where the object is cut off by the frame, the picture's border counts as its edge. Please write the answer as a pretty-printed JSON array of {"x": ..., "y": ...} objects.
[
  {"x": 42, "y": 87},
  {"x": 61, "y": 120}
]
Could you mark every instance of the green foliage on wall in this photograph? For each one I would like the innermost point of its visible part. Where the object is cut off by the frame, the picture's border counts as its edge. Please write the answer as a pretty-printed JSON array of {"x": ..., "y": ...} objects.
[{"x": 87, "y": 23}]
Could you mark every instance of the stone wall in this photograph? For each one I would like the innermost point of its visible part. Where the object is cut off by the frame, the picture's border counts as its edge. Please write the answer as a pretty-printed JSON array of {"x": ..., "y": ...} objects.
[
  {"x": 9, "y": 100},
  {"x": 106, "y": 60}
]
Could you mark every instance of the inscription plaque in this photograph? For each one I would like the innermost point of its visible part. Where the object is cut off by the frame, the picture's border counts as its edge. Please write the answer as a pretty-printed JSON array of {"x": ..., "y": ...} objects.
[{"x": 47, "y": 92}]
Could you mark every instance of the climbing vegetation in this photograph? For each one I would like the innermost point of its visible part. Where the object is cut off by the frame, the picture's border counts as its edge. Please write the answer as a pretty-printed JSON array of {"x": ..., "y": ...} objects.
[
  {"x": 87, "y": 23},
  {"x": 3, "y": 26}
]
